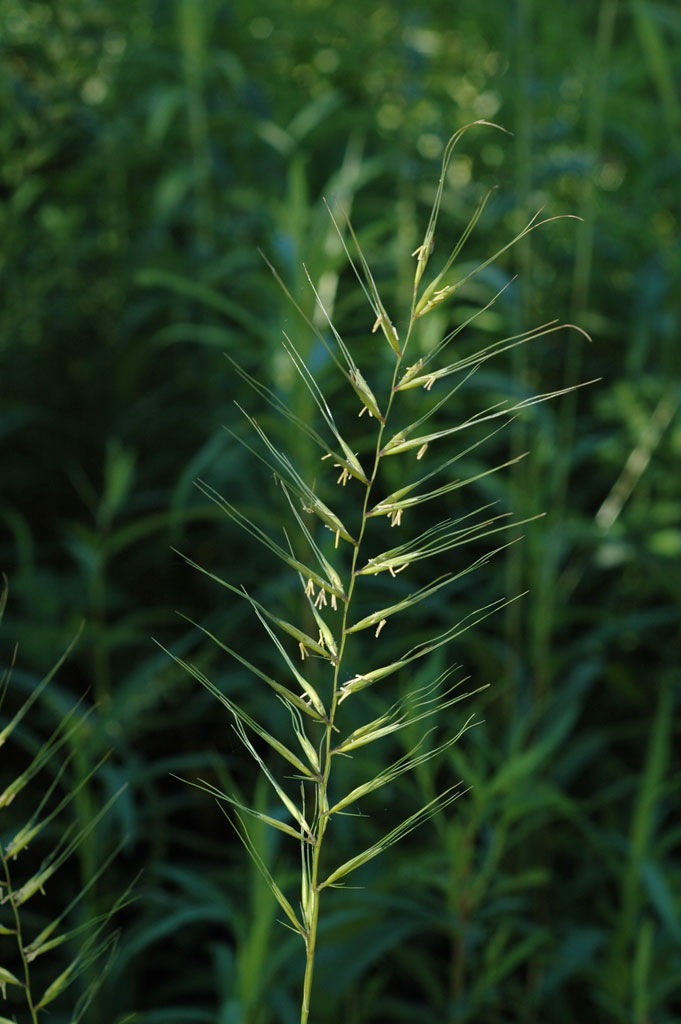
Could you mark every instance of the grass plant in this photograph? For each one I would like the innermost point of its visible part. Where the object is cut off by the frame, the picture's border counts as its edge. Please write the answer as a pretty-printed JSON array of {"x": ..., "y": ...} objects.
[
  {"x": 339, "y": 558},
  {"x": 34, "y": 848}
]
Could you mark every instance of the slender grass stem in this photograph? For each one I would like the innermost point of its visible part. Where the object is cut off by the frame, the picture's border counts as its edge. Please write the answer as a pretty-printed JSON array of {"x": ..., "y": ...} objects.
[
  {"x": 322, "y": 786},
  {"x": 20, "y": 941}
]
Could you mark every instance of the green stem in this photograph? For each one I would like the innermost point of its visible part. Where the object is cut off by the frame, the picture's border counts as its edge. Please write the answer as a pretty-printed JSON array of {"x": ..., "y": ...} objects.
[
  {"x": 322, "y": 817},
  {"x": 20, "y": 941}
]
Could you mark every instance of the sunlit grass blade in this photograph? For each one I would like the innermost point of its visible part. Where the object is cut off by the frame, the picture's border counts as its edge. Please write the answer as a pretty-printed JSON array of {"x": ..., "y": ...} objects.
[
  {"x": 310, "y": 691},
  {"x": 412, "y": 372},
  {"x": 432, "y": 298},
  {"x": 62, "y": 734},
  {"x": 80, "y": 964},
  {"x": 476, "y": 359},
  {"x": 266, "y": 819},
  {"x": 393, "y": 718},
  {"x": 317, "y": 333},
  {"x": 435, "y": 806},
  {"x": 431, "y": 289},
  {"x": 245, "y": 838},
  {"x": 408, "y": 762},
  {"x": 439, "y": 539},
  {"x": 395, "y": 496},
  {"x": 250, "y": 527},
  {"x": 315, "y": 603},
  {"x": 312, "y": 707},
  {"x": 238, "y": 713},
  {"x": 302, "y": 737},
  {"x": 277, "y": 403},
  {"x": 424, "y": 251},
  {"x": 402, "y": 714},
  {"x": 349, "y": 460},
  {"x": 33, "y": 827},
  {"x": 369, "y": 287},
  {"x": 369, "y": 678},
  {"x": 311, "y": 503},
  {"x": 380, "y": 617},
  {"x": 331, "y": 574},
  {"x": 43, "y": 942},
  {"x": 354, "y": 375},
  {"x": 406, "y": 431},
  {"x": 399, "y": 443},
  {"x": 394, "y": 508},
  {"x": 290, "y": 806},
  {"x": 427, "y": 543},
  {"x": 298, "y": 635},
  {"x": 7, "y": 978}
]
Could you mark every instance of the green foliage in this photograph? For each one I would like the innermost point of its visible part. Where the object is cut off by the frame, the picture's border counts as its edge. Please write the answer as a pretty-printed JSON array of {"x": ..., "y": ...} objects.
[
  {"x": 72, "y": 947},
  {"x": 317, "y": 711},
  {"x": 148, "y": 150}
]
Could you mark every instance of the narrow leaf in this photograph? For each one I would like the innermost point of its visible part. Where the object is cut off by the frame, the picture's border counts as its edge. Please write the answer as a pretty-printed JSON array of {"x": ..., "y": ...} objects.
[
  {"x": 370, "y": 290},
  {"x": 408, "y": 762},
  {"x": 287, "y": 695},
  {"x": 439, "y": 803},
  {"x": 266, "y": 819},
  {"x": 32, "y": 698},
  {"x": 361, "y": 681},
  {"x": 398, "y": 443},
  {"x": 250, "y": 527},
  {"x": 245, "y": 838},
  {"x": 424, "y": 250},
  {"x": 407, "y": 602},
  {"x": 297, "y": 634},
  {"x": 241, "y": 715}
]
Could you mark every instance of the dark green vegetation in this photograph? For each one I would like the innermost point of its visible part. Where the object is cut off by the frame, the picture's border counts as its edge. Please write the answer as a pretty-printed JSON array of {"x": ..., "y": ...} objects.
[{"x": 147, "y": 150}]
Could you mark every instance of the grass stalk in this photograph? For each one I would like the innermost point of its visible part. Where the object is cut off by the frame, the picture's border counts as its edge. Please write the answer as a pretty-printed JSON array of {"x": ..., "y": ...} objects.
[
  {"x": 339, "y": 643},
  {"x": 322, "y": 786},
  {"x": 19, "y": 938},
  {"x": 48, "y": 828}
]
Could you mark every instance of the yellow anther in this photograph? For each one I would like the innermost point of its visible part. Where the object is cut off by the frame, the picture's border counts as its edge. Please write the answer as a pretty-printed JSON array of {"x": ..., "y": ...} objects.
[
  {"x": 380, "y": 627},
  {"x": 422, "y": 451}
]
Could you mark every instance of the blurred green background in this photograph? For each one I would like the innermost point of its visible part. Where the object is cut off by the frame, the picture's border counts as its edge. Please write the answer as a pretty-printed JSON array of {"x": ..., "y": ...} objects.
[{"x": 147, "y": 150}]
